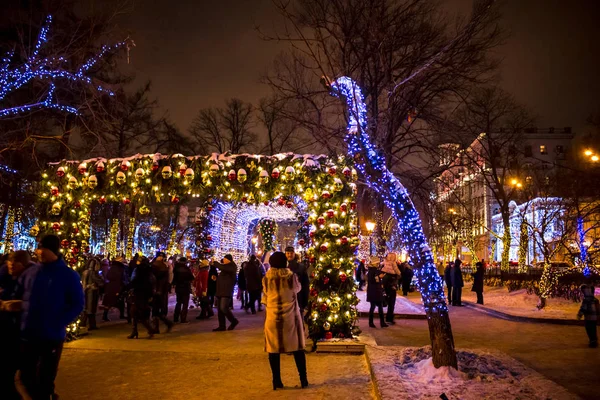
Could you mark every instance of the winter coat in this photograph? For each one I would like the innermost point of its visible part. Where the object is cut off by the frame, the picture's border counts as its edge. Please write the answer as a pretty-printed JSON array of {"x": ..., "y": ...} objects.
[
  {"x": 360, "y": 272},
  {"x": 213, "y": 275},
  {"x": 182, "y": 278},
  {"x": 284, "y": 329},
  {"x": 241, "y": 279},
  {"x": 92, "y": 282},
  {"x": 456, "y": 276},
  {"x": 590, "y": 307},
  {"x": 300, "y": 270},
  {"x": 254, "y": 276},
  {"x": 161, "y": 274},
  {"x": 406, "y": 277},
  {"x": 226, "y": 279},
  {"x": 390, "y": 265},
  {"x": 52, "y": 298},
  {"x": 142, "y": 289},
  {"x": 478, "y": 280},
  {"x": 201, "y": 281},
  {"x": 116, "y": 279},
  {"x": 374, "y": 286},
  {"x": 448, "y": 275}
]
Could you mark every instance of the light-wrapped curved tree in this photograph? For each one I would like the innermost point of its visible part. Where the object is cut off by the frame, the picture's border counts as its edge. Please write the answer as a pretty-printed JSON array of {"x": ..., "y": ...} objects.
[{"x": 375, "y": 173}]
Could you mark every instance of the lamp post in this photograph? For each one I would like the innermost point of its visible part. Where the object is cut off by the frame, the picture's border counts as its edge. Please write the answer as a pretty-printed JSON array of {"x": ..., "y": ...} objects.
[
  {"x": 370, "y": 228},
  {"x": 591, "y": 155}
]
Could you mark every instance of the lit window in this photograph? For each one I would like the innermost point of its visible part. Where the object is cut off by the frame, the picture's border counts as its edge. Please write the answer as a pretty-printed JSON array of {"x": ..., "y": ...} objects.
[{"x": 543, "y": 149}]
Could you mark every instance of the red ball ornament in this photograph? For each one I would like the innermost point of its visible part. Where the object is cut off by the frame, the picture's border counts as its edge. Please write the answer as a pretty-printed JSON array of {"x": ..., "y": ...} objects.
[
  {"x": 76, "y": 230},
  {"x": 175, "y": 199},
  {"x": 182, "y": 169},
  {"x": 306, "y": 223},
  {"x": 64, "y": 243},
  {"x": 326, "y": 195},
  {"x": 266, "y": 202},
  {"x": 126, "y": 201},
  {"x": 209, "y": 238},
  {"x": 312, "y": 261},
  {"x": 347, "y": 172},
  {"x": 281, "y": 201},
  {"x": 301, "y": 242},
  {"x": 209, "y": 208},
  {"x": 343, "y": 277},
  {"x": 314, "y": 292},
  {"x": 323, "y": 307},
  {"x": 102, "y": 200},
  {"x": 232, "y": 175},
  {"x": 56, "y": 226},
  {"x": 289, "y": 204},
  {"x": 100, "y": 168},
  {"x": 207, "y": 250},
  {"x": 72, "y": 262},
  {"x": 344, "y": 240},
  {"x": 244, "y": 199},
  {"x": 155, "y": 167},
  {"x": 341, "y": 336},
  {"x": 275, "y": 174},
  {"x": 332, "y": 171},
  {"x": 311, "y": 233},
  {"x": 77, "y": 204},
  {"x": 323, "y": 248},
  {"x": 326, "y": 280},
  {"x": 75, "y": 250},
  {"x": 353, "y": 206},
  {"x": 328, "y": 335},
  {"x": 344, "y": 207},
  {"x": 320, "y": 220},
  {"x": 330, "y": 213},
  {"x": 124, "y": 165},
  {"x": 60, "y": 173},
  {"x": 54, "y": 191}
]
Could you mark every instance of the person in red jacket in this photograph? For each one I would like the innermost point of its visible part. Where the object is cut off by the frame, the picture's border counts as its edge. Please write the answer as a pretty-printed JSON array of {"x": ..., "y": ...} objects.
[{"x": 201, "y": 287}]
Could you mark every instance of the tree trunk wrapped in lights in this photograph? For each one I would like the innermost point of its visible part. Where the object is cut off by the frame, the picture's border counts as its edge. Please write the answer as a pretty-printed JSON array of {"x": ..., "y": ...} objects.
[
  {"x": 523, "y": 247},
  {"x": 112, "y": 239},
  {"x": 506, "y": 240},
  {"x": 373, "y": 167},
  {"x": 130, "y": 234}
]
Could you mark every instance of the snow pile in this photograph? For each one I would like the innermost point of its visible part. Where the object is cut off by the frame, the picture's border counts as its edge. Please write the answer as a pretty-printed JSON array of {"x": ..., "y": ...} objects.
[{"x": 409, "y": 373}]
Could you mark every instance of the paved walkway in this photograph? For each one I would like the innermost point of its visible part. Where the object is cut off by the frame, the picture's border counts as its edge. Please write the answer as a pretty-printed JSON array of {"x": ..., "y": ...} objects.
[
  {"x": 192, "y": 362},
  {"x": 403, "y": 305},
  {"x": 558, "y": 352}
]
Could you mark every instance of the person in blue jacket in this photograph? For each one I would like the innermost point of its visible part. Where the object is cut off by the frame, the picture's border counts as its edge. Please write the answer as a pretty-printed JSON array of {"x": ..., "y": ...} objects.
[{"x": 52, "y": 298}]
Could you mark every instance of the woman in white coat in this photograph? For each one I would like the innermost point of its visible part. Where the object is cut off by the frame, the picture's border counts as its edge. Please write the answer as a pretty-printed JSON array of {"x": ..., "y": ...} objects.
[{"x": 284, "y": 330}]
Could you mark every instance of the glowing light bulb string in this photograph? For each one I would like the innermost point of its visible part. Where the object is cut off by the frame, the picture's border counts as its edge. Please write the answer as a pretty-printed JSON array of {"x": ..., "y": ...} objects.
[{"x": 394, "y": 194}]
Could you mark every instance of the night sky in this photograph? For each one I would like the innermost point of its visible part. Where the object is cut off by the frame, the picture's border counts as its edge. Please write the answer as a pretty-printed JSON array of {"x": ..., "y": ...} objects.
[{"x": 198, "y": 53}]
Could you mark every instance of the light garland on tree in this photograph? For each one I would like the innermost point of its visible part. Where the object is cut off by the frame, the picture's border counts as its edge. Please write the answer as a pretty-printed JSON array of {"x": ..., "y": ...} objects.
[
  {"x": 267, "y": 229},
  {"x": 130, "y": 234},
  {"x": 51, "y": 69},
  {"x": 172, "y": 248},
  {"x": 112, "y": 239},
  {"x": 10, "y": 230},
  {"x": 523, "y": 247}
]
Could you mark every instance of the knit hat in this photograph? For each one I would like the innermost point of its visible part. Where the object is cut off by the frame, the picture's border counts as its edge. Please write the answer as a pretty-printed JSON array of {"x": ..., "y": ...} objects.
[
  {"x": 374, "y": 261},
  {"x": 229, "y": 257},
  {"x": 204, "y": 263},
  {"x": 50, "y": 242},
  {"x": 278, "y": 260}
]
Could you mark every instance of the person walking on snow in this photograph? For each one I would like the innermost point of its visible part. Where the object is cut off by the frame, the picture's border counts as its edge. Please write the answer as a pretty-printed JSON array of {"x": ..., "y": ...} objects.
[
  {"x": 375, "y": 292},
  {"x": 448, "y": 279},
  {"x": 160, "y": 302},
  {"x": 225, "y": 286},
  {"x": 478, "y": 281},
  {"x": 52, "y": 298},
  {"x": 182, "y": 281},
  {"x": 116, "y": 280},
  {"x": 92, "y": 282},
  {"x": 254, "y": 275},
  {"x": 406, "y": 277},
  {"x": 142, "y": 291},
  {"x": 284, "y": 329},
  {"x": 590, "y": 311},
  {"x": 213, "y": 275},
  {"x": 242, "y": 290},
  {"x": 300, "y": 270},
  {"x": 201, "y": 286}
]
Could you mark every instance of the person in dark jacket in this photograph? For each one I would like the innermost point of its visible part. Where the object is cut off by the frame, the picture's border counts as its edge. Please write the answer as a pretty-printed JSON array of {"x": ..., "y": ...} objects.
[
  {"x": 10, "y": 308},
  {"x": 242, "y": 290},
  {"x": 141, "y": 292},
  {"x": 406, "y": 275},
  {"x": 225, "y": 286},
  {"x": 92, "y": 282},
  {"x": 182, "y": 281},
  {"x": 116, "y": 280},
  {"x": 457, "y": 284},
  {"x": 160, "y": 302},
  {"x": 448, "y": 279},
  {"x": 52, "y": 299},
  {"x": 478, "y": 282},
  {"x": 201, "y": 285},
  {"x": 213, "y": 275},
  {"x": 132, "y": 266},
  {"x": 254, "y": 274},
  {"x": 590, "y": 311},
  {"x": 360, "y": 274},
  {"x": 300, "y": 270},
  {"x": 375, "y": 292}
]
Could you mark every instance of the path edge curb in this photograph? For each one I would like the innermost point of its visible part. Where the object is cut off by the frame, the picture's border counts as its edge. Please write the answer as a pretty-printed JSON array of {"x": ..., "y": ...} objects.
[
  {"x": 518, "y": 318},
  {"x": 369, "y": 340}
]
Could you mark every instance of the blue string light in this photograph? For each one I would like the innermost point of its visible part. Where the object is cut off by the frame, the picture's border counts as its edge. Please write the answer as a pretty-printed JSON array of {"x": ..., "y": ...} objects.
[
  {"x": 4, "y": 168},
  {"x": 394, "y": 194},
  {"x": 49, "y": 69}
]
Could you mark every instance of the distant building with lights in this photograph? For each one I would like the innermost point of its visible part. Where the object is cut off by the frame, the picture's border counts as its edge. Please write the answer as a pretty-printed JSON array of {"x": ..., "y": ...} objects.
[{"x": 464, "y": 202}]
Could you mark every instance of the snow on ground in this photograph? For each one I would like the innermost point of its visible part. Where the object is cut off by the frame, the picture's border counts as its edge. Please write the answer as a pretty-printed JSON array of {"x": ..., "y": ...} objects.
[
  {"x": 403, "y": 305},
  {"x": 522, "y": 304},
  {"x": 408, "y": 373}
]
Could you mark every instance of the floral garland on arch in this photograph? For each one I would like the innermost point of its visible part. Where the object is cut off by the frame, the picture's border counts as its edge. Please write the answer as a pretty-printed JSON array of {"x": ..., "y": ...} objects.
[{"x": 71, "y": 189}]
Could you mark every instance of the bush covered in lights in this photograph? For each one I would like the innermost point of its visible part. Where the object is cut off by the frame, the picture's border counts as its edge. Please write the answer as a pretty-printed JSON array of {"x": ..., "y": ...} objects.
[{"x": 71, "y": 189}]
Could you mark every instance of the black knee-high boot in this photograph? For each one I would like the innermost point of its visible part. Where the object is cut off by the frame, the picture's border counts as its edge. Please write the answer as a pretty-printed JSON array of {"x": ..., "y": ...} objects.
[
  {"x": 300, "y": 359},
  {"x": 275, "y": 362}
]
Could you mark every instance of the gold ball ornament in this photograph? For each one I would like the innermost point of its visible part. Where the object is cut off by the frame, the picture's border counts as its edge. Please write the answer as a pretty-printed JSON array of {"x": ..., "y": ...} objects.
[
  {"x": 167, "y": 172},
  {"x": 121, "y": 178},
  {"x": 72, "y": 183},
  {"x": 92, "y": 182},
  {"x": 242, "y": 175}
]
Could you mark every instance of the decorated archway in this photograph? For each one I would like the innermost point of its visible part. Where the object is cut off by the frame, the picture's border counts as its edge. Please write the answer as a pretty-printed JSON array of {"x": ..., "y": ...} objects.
[{"x": 319, "y": 187}]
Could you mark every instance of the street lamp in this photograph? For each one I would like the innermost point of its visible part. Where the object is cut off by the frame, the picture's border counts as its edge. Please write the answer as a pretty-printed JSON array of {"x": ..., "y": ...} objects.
[
  {"x": 370, "y": 228},
  {"x": 591, "y": 155}
]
